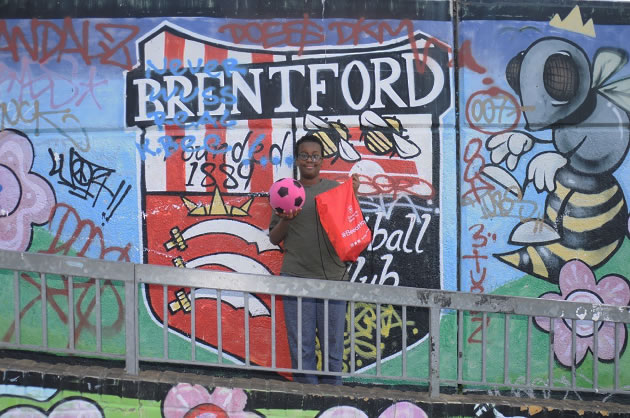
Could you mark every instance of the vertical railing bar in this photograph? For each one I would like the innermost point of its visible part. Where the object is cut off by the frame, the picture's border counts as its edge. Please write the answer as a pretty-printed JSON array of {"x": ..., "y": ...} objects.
[
  {"x": 70, "y": 282},
  {"x": 219, "y": 328},
  {"x": 528, "y": 360},
  {"x": 506, "y": 349},
  {"x": 434, "y": 350},
  {"x": 616, "y": 382},
  {"x": 404, "y": 341},
  {"x": 573, "y": 349},
  {"x": 299, "y": 332},
  {"x": 44, "y": 301},
  {"x": 325, "y": 345},
  {"x": 273, "y": 331},
  {"x": 165, "y": 321},
  {"x": 352, "y": 339},
  {"x": 552, "y": 333},
  {"x": 193, "y": 325},
  {"x": 16, "y": 305},
  {"x": 460, "y": 346},
  {"x": 378, "y": 339},
  {"x": 136, "y": 327},
  {"x": 484, "y": 315},
  {"x": 132, "y": 341},
  {"x": 246, "y": 313},
  {"x": 99, "y": 318},
  {"x": 595, "y": 356}
]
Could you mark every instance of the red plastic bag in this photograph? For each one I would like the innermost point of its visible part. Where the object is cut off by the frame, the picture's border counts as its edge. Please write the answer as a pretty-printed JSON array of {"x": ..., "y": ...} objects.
[{"x": 342, "y": 219}]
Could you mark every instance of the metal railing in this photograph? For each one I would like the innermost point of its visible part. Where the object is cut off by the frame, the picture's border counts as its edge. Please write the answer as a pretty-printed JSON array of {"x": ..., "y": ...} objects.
[{"x": 181, "y": 287}]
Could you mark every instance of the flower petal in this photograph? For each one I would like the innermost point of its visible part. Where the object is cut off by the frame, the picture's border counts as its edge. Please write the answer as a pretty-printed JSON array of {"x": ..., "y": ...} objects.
[
  {"x": 576, "y": 275},
  {"x": 231, "y": 400},
  {"x": 543, "y": 321},
  {"x": 182, "y": 398},
  {"x": 403, "y": 410},
  {"x": 343, "y": 412},
  {"x": 614, "y": 290},
  {"x": 562, "y": 343},
  {"x": 606, "y": 340}
]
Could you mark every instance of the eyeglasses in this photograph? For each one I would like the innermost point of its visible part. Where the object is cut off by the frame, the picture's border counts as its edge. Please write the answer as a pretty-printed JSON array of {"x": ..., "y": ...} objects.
[{"x": 304, "y": 157}]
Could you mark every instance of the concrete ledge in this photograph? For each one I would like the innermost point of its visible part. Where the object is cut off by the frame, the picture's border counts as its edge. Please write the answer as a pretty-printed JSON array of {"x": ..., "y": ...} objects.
[{"x": 269, "y": 392}]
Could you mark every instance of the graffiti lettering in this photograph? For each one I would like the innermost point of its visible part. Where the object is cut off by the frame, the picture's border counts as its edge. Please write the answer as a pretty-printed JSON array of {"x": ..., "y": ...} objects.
[
  {"x": 15, "y": 112},
  {"x": 82, "y": 232},
  {"x": 299, "y": 33},
  {"x": 471, "y": 339},
  {"x": 176, "y": 67},
  {"x": 493, "y": 111},
  {"x": 381, "y": 279},
  {"x": 87, "y": 180},
  {"x": 502, "y": 204},
  {"x": 398, "y": 240},
  {"x": 385, "y": 184},
  {"x": 33, "y": 80},
  {"x": 474, "y": 164},
  {"x": 48, "y": 39},
  {"x": 364, "y": 323},
  {"x": 250, "y": 97},
  {"x": 464, "y": 55},
  {"x": 479, "y": 240}
]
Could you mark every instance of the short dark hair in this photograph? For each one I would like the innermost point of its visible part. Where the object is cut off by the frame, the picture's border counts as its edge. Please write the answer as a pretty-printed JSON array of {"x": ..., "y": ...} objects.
[{"x": 308, "y": 138}]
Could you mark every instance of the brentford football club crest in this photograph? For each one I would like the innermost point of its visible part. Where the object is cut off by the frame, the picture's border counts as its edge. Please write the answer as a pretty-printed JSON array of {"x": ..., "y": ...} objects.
[{"x": 217, "y": 126}]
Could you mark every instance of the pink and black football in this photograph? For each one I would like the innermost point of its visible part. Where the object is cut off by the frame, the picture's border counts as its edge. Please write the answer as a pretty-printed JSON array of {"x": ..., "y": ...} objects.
[{"x": 286, "y": 195}]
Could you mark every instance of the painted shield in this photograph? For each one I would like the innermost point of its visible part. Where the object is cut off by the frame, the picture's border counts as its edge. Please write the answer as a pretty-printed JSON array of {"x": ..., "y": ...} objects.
[{"x": 218, "y": 125}]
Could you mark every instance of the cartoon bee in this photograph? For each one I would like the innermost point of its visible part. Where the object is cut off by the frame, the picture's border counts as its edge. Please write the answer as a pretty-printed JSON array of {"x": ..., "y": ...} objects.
[
  {"x": 585, "y": 210},
  {"x": 384, "y": 135},
  {"x": 334, "y": 137}
]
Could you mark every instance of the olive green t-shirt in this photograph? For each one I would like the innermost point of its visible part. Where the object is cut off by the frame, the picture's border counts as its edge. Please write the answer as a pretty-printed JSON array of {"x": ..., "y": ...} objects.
[{"x": 307, "y": 249}]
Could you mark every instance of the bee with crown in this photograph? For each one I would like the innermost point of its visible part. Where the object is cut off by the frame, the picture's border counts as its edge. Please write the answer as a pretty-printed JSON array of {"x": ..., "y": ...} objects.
[{"x": 585, "y": 214}]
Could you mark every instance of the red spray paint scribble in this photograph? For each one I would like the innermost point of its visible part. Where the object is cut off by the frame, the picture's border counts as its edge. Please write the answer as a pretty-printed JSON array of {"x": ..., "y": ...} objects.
[
  {"x": 386, "y": 184},
  {"x": 480, "y": 240},
  {"x": 464, "y": 56},
  {"x": 82, "y": 316},
  {"x": 506, "y": 102},
  {"x": 474, "y": 164},
  {"x": 48, "y": 39},
  {"x": 303, "y": 32},
  {"x": 298, "y": 33},
  {"x": 70, "y": 217}
]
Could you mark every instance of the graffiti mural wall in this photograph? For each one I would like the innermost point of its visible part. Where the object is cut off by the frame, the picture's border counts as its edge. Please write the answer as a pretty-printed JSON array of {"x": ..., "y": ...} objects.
[
  {"x": 544, "y": 140},
  {"x": 194, "y": 400},
  {"x": 155, "y": 140}
]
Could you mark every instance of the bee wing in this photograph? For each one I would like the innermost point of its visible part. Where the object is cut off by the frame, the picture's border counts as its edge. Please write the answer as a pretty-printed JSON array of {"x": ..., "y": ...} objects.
[
  {"x": 314, "y": 123},
  {"x": 618, "y": 92},
  {"x": 405, "y": 147},
  {"x": 606, "y": 63},
  {"x": 347, "y": 151},
  {"x": 369, "y": 119}
]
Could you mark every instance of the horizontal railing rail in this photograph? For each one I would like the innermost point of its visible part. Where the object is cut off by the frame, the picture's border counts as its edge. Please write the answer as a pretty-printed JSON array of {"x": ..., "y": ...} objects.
[{"x": 183, "y": 287}]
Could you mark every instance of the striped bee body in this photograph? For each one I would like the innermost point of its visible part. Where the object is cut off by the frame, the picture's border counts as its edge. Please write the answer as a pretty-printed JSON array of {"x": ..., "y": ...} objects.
[
  {"x": 331, "y": 137},
  {"x": 590, "y": 215},
  {"x": 378, "y": 143}
]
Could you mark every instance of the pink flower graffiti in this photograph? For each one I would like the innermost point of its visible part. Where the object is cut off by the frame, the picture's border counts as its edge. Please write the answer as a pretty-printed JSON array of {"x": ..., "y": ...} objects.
[
  {"x": 185, "y": 400},
  {"x": 25, "y": 197},
  {"x": 578, "y": 284},
  {"x": 397, "y": 410}
]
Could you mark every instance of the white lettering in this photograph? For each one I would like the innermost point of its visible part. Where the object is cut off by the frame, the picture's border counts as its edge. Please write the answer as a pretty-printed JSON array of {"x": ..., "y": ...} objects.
[
  {"x": 252, "y": 96},
  {"x": 175, "y": 94},
  {"x": 385, "y": 85},
  {"x": 285, "y": 86},
  {"x": 345, "y": 85},
  {"x": 319, "y": 86},
  {"x": 146, "y": 87}
]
